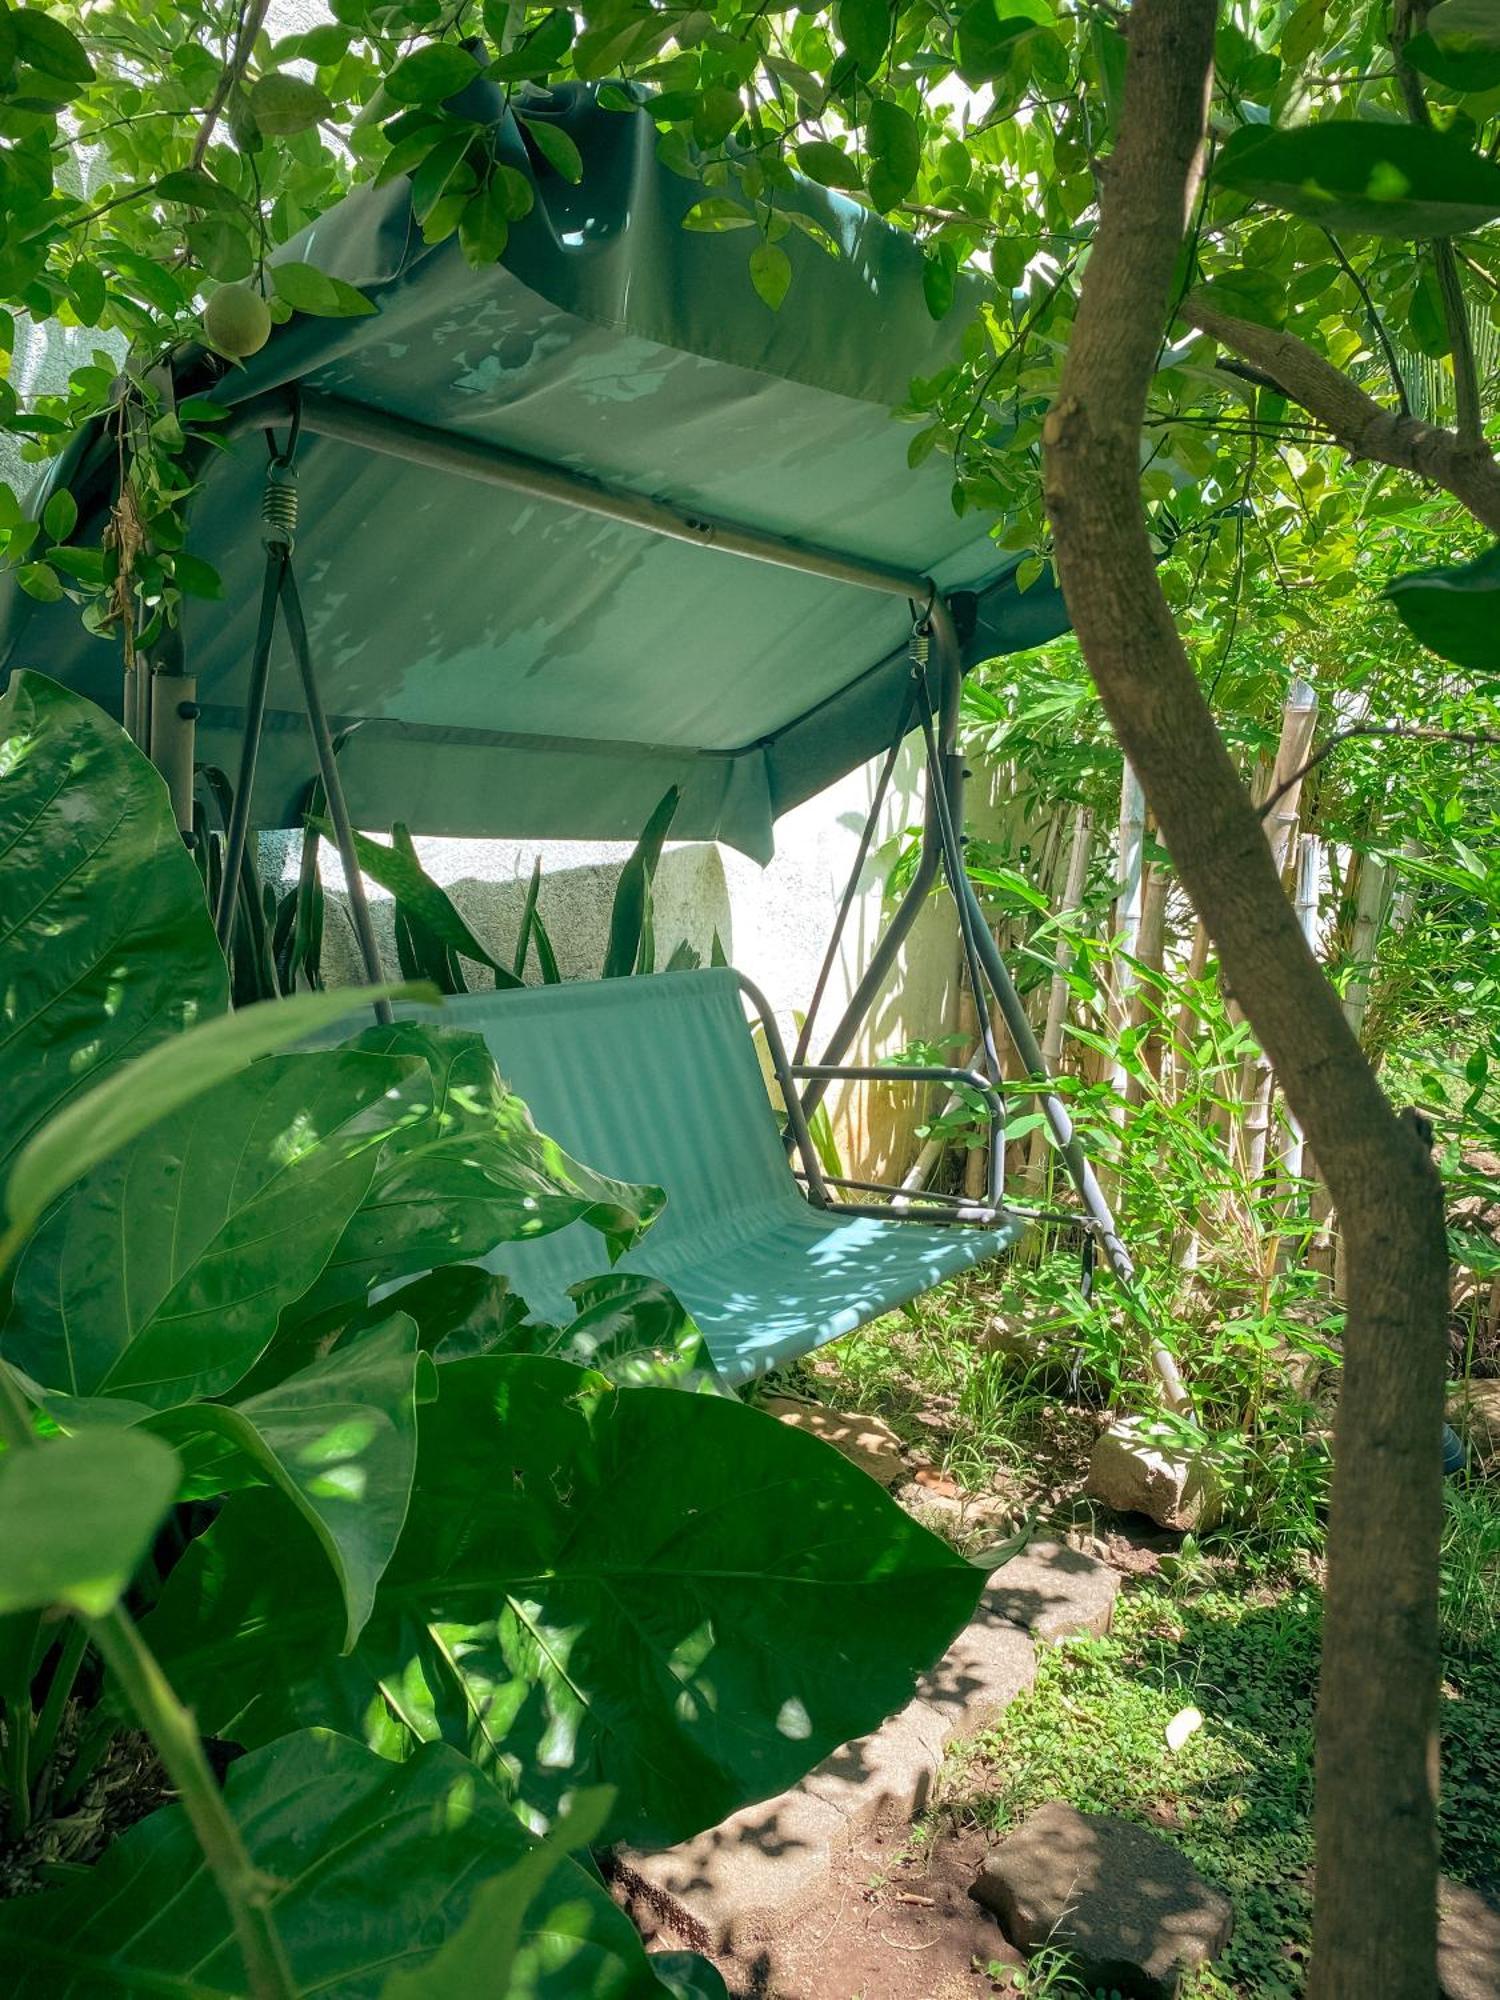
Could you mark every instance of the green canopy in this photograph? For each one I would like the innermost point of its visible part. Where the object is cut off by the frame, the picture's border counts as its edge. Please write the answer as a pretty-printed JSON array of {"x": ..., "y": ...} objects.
[{"x": 519, "y": 666}]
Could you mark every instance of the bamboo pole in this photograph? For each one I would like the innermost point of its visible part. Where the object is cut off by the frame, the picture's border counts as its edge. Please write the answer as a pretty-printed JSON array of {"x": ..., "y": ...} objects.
[
  {"x": 1080, "y": 853},
  {"x": 1310, "y": 868},
  {"x": 1130, "y": 883}
]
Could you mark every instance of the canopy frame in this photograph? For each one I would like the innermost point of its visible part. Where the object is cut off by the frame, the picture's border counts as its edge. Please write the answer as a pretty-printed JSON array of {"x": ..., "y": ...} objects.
[{"x": 170, "y": 725}]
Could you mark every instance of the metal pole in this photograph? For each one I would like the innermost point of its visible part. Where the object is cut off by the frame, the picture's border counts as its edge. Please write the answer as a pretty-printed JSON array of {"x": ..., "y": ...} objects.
[
  {"x": 173, "y": 711},
  {"x": 255, "y": 717},
  {"x": 328, "y": 770},
  {"x": 494, "y": 465}
]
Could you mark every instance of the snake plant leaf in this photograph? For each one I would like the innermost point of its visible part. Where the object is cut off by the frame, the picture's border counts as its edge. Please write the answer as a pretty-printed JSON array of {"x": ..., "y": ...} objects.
[
  {"x": 629, "y": 915},
  {"x": 471, "y": 1173},
  {"x": 79, "y": 1514},
  {"x": 398, "y": 869},
  {"x": 160, "y": 1277},
  {"x": 338, "y": 1438},
  {"x": 373, "y": 1869},
  {"x": 1360, "y": 175},
  {"x": 673, "y": 1595},
  {"x": 1455, "y": 612},
  {"x": 106, "y": 945}
]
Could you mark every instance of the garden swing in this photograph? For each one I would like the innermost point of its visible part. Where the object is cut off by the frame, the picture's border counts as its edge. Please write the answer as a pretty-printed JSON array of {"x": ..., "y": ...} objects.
[{"x": 567, "y": 529}]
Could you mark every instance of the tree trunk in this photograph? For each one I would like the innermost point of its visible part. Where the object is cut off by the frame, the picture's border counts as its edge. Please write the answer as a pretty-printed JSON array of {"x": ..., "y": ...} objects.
[{"x": 1375, "y": 1921}]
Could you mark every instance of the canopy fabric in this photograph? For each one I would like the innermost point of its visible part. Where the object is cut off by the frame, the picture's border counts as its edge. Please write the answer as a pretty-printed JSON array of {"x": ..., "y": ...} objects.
[
  {"x": 522, "y": 668},
  {"x": 765, "y": 1275}
]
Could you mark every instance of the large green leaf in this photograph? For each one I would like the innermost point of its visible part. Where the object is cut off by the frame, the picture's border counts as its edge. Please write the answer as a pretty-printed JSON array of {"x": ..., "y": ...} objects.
[
  {"x": 106, "y": 945},
  {"x": 1359, "y": 175},
  {"x": 161, "y": 1275},
  {"x": 339, "y": 1439},
  {"x": 78, "y": 1515},
  {"x": 142, "y": 1093},
  {"x": 1455, "y": 612},
  {"x": 473, "y": 1173},
  {"x": 372, "y": 1868},
  {"x": 1459, "y": 46},
  {"x": 674, "y": 1595}
]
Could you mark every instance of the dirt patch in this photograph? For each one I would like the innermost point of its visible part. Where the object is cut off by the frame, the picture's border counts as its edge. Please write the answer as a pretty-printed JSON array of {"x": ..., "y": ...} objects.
[{"x": 898, "y": 1923}]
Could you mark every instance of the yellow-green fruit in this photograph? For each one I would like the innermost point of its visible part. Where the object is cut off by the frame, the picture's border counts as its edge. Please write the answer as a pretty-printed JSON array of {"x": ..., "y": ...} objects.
[{"x": 237, "y": 320}]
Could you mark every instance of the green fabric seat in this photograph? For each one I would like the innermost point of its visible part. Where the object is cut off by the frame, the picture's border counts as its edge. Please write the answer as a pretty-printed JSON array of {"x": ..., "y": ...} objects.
[{"x": 657, "y": 1079}]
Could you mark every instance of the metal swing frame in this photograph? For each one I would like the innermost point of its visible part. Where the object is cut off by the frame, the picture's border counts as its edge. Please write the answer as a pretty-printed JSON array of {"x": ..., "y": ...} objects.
[{"x": 163, "y": 713}]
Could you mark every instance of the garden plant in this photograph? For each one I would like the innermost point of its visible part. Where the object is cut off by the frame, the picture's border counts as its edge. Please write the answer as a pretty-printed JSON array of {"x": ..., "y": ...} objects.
[{"x": 304, "y": 1482}]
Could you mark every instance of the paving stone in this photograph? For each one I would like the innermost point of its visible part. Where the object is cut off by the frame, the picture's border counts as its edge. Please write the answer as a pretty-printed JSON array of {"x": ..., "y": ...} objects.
[
  {"x": 886, "y": 1777},
  {"x": 1132, "y": 1473},
  {"x": 732, "y": 1884},
  {"x": 1475, "y": 1414},
  {"x": 1128, "y": 1906},
  {"x": 1468, "y": 1944},
  {"x": 983, "y": 1671},
  {"x": 868, "y": 1442},
  {"x": 1055, "y": 1592}
]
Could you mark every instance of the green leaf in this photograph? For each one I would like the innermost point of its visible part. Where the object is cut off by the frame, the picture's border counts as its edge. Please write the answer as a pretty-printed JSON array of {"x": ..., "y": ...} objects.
[
  {"x": 40, "y": 581},
  {"x": 1302, "y": 32},
  {"x": 222, "y": 247},
  {"x": 555, "y": 147},
  {"x": 864, "y": 28},
  {"x": 107, "y": 946},
  {"x": 990, "y": 40},
  {"x": 538, "y": 53},
  {"x": 556, "y": 1607},
  {"x": 162, "y": 1274},
  {"x": 80, "y": 1513},
  {"x": 715, "y": 114},
  {"x": 194, "y": 577},
  {"x": 338, "y": 1438},
  {"x": 430, "y": 74},
  {"x": 470, "y": 1174},
  {"x": 370, "y": 1869},
  {"x": 770, "y": 273},
  {"x": 627, "y": 917},
  {"x": 196, "y": 189},
  {"x": 1459, "y": 46},
  {"x": 828, "y": 165},
  {"x": 1361, "y": 176},
  {"x": 60, "y": 515},
  {"x": 895, "y": 150},
  {"x": 940, "y": 279},
  {"x": 718, "y": 211},
  {"x": 462, "y": 1310},
  {"x": 152, "y": 1087},
  {"x": 1455, "y": 612},
  {"x": 308, "y": 290},
  {"x": 284, "y": 105},
  {"x": 52, "y": 48},
  {"x": 484, "y": 226},
  {"x": 399, "y": 871}
]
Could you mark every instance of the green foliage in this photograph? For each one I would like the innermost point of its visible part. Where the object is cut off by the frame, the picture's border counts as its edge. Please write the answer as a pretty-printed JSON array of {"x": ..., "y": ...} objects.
[
  {"x": 429, "y": 1521},
  {"x": 105, "y": 910}
]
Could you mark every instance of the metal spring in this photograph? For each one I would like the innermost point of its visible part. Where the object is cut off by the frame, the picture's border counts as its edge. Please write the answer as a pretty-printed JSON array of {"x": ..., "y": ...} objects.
[
  {"x": 278, "y": 504},
  {"x": 921, "y": 644}
]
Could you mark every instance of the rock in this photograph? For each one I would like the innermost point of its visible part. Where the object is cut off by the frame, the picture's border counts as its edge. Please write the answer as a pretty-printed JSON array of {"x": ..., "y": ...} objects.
[
  {"x": 1056, "y": 1592},
  {"x": 966, "y": 1518},
  {"x": 867, "y": 1442},
  {"x": 1475, "y": 1414},
  {"x": 1128, "y": 1906},
  {"x": 1468, "y": 1944},
  {"x": 1132, "y": 1473}
]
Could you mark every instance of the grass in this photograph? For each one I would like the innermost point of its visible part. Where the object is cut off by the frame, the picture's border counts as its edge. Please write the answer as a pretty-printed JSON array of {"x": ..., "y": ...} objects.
[
  {"x": 1233, "y": 1630},
  {"x": 1237, "y": 1797}
]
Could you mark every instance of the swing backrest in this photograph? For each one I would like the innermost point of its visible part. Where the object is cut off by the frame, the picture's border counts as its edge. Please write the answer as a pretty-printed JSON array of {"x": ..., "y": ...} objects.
[{"x": 650, "y": 1079}]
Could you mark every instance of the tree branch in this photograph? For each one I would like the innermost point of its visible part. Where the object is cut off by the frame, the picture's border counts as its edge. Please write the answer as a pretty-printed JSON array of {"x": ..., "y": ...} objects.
[
  {"x": 1471, "y": 739},
  {"x": 1375, "y": 1923},
  {"x": 250, "y": 24},
  {"x": 1466, "y": 468}
]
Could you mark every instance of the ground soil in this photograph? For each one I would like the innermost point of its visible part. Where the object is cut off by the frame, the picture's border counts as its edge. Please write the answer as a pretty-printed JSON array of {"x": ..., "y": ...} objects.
[{"x": 898, "y": 1924}]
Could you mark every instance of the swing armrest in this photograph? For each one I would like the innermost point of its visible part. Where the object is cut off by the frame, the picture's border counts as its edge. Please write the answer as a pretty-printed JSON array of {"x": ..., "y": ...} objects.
[{"x": 922, "y": 1073}]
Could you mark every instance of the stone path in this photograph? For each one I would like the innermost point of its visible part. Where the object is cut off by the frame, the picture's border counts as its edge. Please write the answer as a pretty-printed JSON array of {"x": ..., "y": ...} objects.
[{"x": 732, "y": 1886}]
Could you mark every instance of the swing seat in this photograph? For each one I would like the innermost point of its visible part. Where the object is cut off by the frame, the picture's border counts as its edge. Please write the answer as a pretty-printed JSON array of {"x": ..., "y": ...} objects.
[{"x": 657, "y": 1079}]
